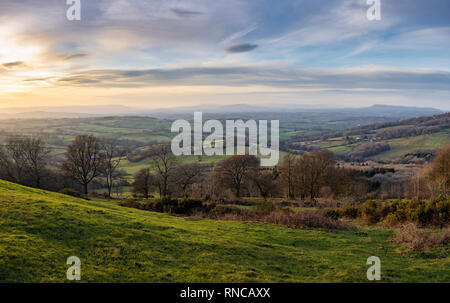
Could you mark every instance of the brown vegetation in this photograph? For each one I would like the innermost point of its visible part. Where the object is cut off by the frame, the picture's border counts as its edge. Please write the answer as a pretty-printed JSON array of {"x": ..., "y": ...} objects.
[{"x": 409, "y": 236}]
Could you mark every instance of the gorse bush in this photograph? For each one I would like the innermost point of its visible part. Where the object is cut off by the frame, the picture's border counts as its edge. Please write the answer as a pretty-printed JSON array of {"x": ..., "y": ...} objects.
[
  {"x": 331, "y": 213},
  {"x": 432, "y": 213},
  {"x": 370, "y": 211},
  {"x": 350, "y": 212}
]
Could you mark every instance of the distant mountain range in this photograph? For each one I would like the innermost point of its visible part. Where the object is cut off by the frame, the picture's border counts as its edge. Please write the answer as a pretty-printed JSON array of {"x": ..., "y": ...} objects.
[{"x": 58, "y": 112}]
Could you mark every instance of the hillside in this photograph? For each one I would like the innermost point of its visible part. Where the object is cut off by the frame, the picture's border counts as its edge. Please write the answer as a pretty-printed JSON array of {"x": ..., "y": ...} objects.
[
  {"x": 397, "y": 140},
  {"x": 39, "y": 230}
]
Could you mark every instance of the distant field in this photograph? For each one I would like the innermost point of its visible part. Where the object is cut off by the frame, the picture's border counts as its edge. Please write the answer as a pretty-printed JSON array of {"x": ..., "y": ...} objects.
[
  {"x": 40, "y": 230},
  {"x": 400, "y": 147}
]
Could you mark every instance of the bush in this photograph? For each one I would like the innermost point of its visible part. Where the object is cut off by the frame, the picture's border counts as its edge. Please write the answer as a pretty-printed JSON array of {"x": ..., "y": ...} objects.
[
  {"x": 164, "y": 204},
  {"x": 73, "y": 192},
  {"x": 413, "y": 238},
  {"x": 172, "y": 205},
  {"x": 306, "y": 219},
  {"x": 220, "y": 210},
  {"x": 370, "y": 211},
  {"x": 434, "y": 212},
  {"x": 350, "y": 212},
  {"x": 188, "y": 206},
  {"x": 330, "y": 213},
  {"x": 264, "y": 207},
  {"x": 131, "y": 203}
]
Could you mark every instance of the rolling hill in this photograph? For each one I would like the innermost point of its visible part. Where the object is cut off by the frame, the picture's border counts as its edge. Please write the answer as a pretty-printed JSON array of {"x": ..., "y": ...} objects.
[
  {"x": 398, "y": 139},
  {"x": 40, "y": 230}
]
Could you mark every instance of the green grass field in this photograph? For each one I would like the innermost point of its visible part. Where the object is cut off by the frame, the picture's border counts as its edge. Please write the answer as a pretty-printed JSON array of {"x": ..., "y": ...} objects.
[
  {"x": 399, "y": 147},
  {"x": 40, "y": 230},
  {"x": 402, "y": 146}
]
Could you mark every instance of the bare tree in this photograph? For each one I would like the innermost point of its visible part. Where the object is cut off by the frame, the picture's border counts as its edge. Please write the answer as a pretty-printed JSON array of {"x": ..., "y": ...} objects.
[
  {"x": 266, "y": 183},
  {"x": 143, "y": 183},
  {"x": 37, "y": 157},
  {"x": 439, "y": 172},
  {"x": 287, "y": 174},
  {"x": 14, "y": 159},
  {"x": 113, "y": 154},
  {"x": 164, "y": 162},
  {"x": 84, "y": 160},
  {"x": 186, "y": 175},
  {"x": 311, "y": 172},
  {"x": 234, "y": 171}
]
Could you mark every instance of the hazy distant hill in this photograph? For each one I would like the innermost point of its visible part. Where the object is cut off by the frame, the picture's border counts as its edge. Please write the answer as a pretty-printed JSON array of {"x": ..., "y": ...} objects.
[{"x": 385, "y": 111}]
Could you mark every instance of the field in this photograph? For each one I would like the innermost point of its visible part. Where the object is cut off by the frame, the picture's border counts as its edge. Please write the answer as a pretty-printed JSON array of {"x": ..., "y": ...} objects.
[
  {"x": 402, "y": 146},
  {"x": 40, "y": 230}
]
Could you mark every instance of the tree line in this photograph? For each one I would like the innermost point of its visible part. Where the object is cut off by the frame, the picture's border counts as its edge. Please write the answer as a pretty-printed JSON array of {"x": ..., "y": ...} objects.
[
  {"x": 26, "y": 161},
  {"x": 89, "y": 159}
]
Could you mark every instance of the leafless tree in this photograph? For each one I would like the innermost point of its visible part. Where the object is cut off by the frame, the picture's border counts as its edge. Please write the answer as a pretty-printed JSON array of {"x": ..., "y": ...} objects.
[
  {"x": 113, "y": 154},
  {"x": 84, "y": 160},
  {"x": 37, "y": 157},
  {"x": 143, "y": 183},
  {"x": 22, "y": 159},
  {"x": 164, "y": 162},
  {"x": 186, "y": 175},
  {"x": 14, "y": 159},
  {"x": 234, "y": 171},
  {"x": 312, "y": 171},
  {"x": 287, "y": 174},
  {"x": 265, "y": 182}
]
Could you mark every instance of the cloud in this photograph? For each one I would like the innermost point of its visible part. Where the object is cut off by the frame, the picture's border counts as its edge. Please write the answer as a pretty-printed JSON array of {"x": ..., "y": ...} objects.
[
  {"x": 185, "y": 13},
  {"x": 240, "y": 34},
  {"x": 355, "y": 79},
  {"x": 241, "y": 48},
  {"x": 70, "y": 56},
  {"x": 13, "y": 65}
]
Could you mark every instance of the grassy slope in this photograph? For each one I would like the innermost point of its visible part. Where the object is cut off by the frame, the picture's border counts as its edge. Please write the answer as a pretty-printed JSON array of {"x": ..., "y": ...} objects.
[
  {"x": 402, "y": 146},
  {"x": 39, "y": 230},
  {"x": 399, "y": 147}
]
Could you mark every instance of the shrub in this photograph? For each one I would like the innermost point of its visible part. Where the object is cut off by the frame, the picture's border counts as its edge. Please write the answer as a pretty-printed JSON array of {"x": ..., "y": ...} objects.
[
  {"x": 220, "y": 210},
  {"x": 306, "y": 219},
  {"x": 350, "y": 212},
  {"x": 370, "y": 211},
  {"x": 173, "y": 205},
  {"x": 413, "y": 238},
  {"x": 434, "y": 212},
  {"x": 73, "y": 192},
  {"x": 264, "y": 207},
  {"x": 164, "y": 204},
  {"x": 330, "y": 213},
  {"x": 188, "y": 206},
  {"x": 131, "y": 203},
  {"x": 391, "y": 220}
]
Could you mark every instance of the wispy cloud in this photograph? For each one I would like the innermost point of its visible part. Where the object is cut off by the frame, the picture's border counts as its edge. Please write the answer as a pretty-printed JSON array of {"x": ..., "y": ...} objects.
[
  {"x": 240, "y": 34},
  {"x": 13, "y": 65},
  {"x": 297, "y": 45},
  {"x": 241, "y": 48},
  {"x": 180, "y": 12}
]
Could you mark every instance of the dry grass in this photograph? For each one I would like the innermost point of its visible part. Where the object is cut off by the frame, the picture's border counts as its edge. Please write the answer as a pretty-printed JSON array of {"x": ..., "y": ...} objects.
[
  {"x": 308, "y": 219},
  {"x": 413, "y": 238},
  {"x": 297, "y": 220}
]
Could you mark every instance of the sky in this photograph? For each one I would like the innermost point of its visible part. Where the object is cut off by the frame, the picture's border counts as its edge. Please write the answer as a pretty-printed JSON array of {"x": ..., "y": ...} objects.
[{"x": 167, "y": 53}]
